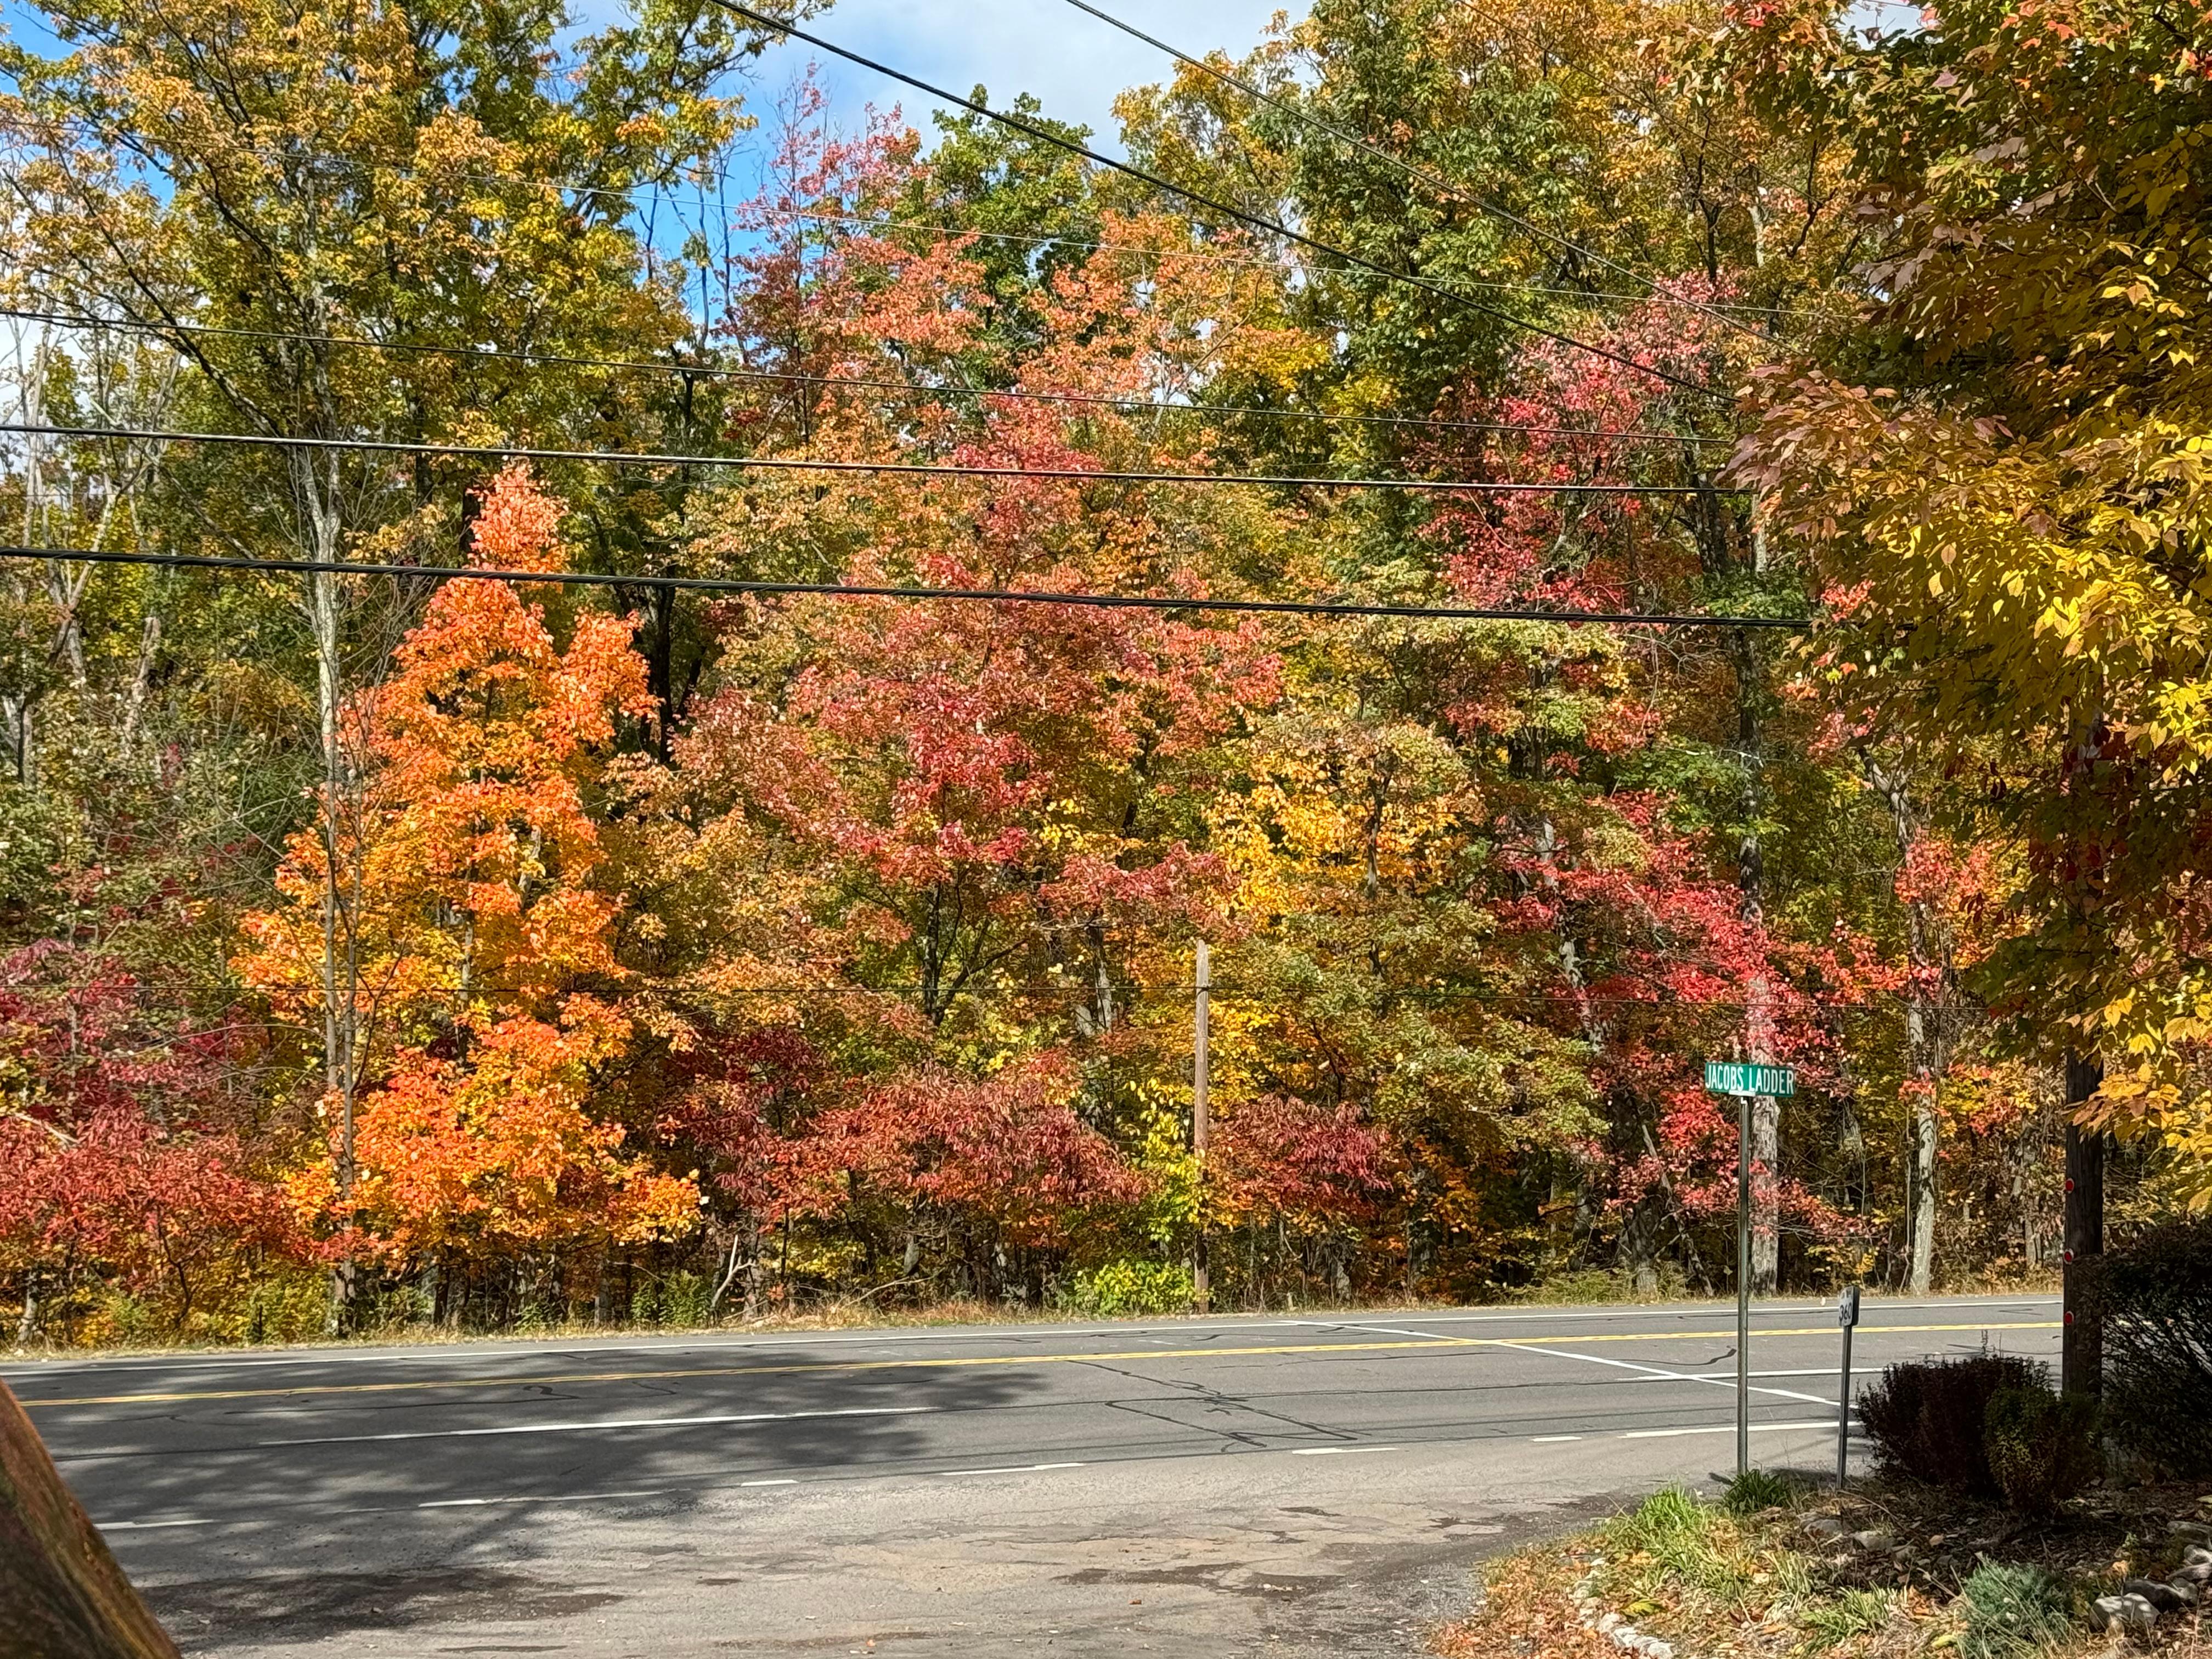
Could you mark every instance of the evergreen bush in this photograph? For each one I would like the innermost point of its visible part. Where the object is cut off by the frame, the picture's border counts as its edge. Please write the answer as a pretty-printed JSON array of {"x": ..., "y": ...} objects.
[{"x": 2042, "y": 1447}]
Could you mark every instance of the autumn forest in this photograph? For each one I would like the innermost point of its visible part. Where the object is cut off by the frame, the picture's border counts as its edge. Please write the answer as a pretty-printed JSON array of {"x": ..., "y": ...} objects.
[{"x": 1743, "y": 468}]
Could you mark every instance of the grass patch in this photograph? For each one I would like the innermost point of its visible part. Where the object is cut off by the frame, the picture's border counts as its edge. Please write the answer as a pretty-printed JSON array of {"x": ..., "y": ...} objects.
[
  {"x": 1893, "y": 1569},
  {"x": 2013, "y": 1610},
  {"x": 1854, "y": 1612},
  {"x": 1755, "y": 1490},
  {"x": 1674, "y": 1552}
]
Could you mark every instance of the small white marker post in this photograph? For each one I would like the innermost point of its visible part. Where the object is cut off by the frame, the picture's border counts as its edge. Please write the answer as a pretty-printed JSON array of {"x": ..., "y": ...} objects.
[
  {"x": 1847, "y": 1315},
  {"x": 1744, "y": 1081}
]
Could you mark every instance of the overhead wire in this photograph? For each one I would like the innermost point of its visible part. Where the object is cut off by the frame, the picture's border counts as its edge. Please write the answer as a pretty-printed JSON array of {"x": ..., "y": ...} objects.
[
  {"x": 1256, "y": 222},
  {"x": 905, "y": 388},
  {"x": 662, "y": 191},
  {"x": 863, "y": 222},
  {"x": 1412, "y": 170},
  {"x": 793, "y": 463},
  {"x": 737, "y": 587}
]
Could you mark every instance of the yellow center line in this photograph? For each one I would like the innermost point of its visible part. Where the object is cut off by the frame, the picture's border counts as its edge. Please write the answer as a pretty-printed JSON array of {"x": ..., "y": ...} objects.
[{"x": 529, "y": 1381}]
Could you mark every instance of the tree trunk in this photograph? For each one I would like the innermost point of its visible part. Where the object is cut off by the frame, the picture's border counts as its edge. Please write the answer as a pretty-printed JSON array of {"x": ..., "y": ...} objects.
[
  {"x": 2081, "y": 1341},
  {"x": 1765, "y": 1150},
  {"x": 1639, "y": 1248},
  {"x": 341, "y": 872},
  {"x": 1924, "y": 1038}
]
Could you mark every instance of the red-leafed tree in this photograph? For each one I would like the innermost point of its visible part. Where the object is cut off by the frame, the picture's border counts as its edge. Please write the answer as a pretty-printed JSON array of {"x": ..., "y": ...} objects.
[{"x": 118, "y": 1171}]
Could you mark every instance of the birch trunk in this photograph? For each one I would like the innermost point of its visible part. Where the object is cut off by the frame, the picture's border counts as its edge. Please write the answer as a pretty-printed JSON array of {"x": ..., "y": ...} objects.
[{"x": 1924, "y": 1056}]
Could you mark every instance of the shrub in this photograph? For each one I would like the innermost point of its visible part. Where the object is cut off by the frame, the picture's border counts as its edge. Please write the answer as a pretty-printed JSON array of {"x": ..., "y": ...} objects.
[
  {"x": 2012, "y": 1612},
  {"x": 2156, "y": 1296},
  {"x": 1133, "y": 1287},
  {"x": 1928, "y": 1418},
  {"x": 2042, "y": 1447},
  {"x": 1755, "y": 1490}
]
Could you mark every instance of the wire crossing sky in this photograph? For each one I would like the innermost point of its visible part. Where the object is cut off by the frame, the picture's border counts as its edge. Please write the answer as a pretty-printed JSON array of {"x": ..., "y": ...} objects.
[
  {"x": 1268, "y": 226},
  {"x": 917, "y": 390}
]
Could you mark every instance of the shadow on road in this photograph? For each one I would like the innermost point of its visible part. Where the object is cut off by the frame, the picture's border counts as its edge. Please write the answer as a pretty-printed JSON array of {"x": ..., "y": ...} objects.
[{"x": 305, "y": 1606}]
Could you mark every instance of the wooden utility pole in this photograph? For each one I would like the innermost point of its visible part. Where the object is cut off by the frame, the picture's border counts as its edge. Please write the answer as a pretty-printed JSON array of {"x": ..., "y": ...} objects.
[
  {"x": 2081, "y": 1342},
  {"x": 61, "y": 1594},
  {"x": 1201, "y": 1288}
]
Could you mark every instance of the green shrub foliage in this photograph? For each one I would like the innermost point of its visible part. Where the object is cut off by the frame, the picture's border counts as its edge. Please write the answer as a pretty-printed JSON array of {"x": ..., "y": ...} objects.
[
  {"x": 2042, "y": 1447},
  {"x": 1928, "y": 1418},
  {"x": 1120, "y": 1289},
  {"x": 2154, "y": 1294}
]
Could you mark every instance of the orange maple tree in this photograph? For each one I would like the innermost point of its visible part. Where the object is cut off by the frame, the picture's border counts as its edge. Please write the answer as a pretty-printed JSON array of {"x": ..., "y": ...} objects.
[{"x": 486, "y": 944}]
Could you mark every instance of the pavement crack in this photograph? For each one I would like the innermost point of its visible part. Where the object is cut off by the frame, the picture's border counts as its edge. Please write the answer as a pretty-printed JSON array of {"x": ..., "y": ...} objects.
[{"x": 1213, "y": 1398}]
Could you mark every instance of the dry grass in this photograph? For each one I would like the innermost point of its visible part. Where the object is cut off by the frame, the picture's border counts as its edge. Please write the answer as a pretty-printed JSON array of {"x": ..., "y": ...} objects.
[{"x": 1773, "y": 1586}]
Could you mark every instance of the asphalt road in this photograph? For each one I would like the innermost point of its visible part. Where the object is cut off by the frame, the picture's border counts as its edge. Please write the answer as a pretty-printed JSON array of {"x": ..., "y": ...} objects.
[{"x": 1267, "y": 1485}]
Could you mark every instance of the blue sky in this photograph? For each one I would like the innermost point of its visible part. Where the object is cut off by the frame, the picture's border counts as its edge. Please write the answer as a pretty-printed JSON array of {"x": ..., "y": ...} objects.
[{"x": 1074, "y": 64}]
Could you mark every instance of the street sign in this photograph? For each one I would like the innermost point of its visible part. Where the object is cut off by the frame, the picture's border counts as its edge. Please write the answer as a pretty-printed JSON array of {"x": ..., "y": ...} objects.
[
  {"x": 1847, "y": 1307},
  {"x": 1745, "y": 1081},
  {"x": 1730, "y": 1077}
]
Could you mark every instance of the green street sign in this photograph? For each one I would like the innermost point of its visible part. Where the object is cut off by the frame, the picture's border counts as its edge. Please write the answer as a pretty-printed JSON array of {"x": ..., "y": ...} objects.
[{"x": 1731, "y": 1077}]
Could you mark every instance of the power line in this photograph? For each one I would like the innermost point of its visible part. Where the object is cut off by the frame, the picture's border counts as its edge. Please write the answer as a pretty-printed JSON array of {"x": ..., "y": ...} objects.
[
  {"x": 906, "y": 388},
  {"x": 1200, "y": 255},
  {"x": 662, "y": 191},
  {"x": 1412, "y": 170},
  {"x": 1267, "y": 226},
  {"x": 1130, "y": 988},
  {"x": 786, "y": 463},
  {"x": 834, "y": 590}
]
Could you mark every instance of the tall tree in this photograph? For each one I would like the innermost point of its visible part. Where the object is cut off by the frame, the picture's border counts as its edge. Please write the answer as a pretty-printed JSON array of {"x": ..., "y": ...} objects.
[
  {"x": 297, "y": 180},
  {"x": 1994, "y": 467}
]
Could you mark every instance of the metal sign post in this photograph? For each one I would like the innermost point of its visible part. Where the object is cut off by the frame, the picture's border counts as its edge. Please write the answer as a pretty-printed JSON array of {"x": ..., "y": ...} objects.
[
  {"x": 1742, "y": 1284},
  {"x": 1847, "y": 1315},
  {"x": 1744, "y": 1080}
]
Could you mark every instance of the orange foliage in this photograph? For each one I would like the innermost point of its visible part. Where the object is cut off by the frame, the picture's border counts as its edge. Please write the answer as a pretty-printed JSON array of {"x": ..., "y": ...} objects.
[
  {"x": 472, "y": 852},
  {"x": 500, "y": 1152}
]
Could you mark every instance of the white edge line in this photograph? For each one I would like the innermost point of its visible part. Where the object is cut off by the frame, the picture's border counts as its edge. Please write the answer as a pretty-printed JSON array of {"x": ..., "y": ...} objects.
[
  {"x": 1730, "y": 1428},
  {"x": 1657, "y": 1373},
  {"x": 703, "y": 1343},
  {"x": 1337, "y": 1451},
  {"x": 570, "y": 1428},
  {"x": 535, "y": 1498}
]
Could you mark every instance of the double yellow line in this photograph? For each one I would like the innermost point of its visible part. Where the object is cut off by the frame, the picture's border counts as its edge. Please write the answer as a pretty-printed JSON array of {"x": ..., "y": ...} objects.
[{"x": 1440, "y": 1340}]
